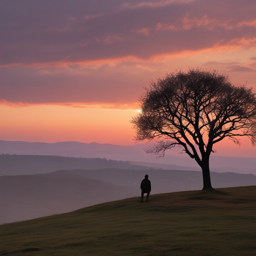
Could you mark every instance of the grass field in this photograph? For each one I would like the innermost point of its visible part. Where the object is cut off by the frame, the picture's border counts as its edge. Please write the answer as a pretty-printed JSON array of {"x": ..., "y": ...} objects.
[{"x": 216, "y": 223}]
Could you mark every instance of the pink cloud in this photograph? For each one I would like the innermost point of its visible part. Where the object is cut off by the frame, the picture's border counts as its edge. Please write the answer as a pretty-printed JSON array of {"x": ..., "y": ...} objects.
[
  {"x": 112, "y": 39},
  {"x": 154, "y": 4},
  {"x": 76, "y": 34},
  {"x": 143, "y": 31},
  {"x": 93, "y": 53}
]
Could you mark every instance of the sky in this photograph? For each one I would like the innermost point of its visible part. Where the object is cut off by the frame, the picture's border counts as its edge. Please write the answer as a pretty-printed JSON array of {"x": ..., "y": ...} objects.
[{"x": 74, "y": 70}]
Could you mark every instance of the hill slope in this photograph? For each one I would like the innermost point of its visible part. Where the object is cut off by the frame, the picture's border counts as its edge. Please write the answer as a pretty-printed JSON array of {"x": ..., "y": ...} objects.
[
  {"x": 32, "y": 196},
  {"x": 184, "y": 223}
]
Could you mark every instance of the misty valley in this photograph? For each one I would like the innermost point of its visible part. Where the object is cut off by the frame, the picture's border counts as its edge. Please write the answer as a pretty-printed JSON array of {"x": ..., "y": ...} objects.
[{"x": 36, "y": 186}]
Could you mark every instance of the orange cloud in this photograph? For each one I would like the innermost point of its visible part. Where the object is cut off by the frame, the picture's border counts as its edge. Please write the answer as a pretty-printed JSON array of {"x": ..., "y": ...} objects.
[
  {"x": 247, "y": 23},
  {"x": 233, "y": 45}
]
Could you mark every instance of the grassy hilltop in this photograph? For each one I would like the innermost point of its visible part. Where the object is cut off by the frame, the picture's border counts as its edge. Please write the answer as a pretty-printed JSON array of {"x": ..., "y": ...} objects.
[{"x": 182, "y": 223}]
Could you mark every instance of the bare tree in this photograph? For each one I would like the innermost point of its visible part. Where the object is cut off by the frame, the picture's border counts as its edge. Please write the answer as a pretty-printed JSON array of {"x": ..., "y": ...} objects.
[{"x": 195, "y": 110}]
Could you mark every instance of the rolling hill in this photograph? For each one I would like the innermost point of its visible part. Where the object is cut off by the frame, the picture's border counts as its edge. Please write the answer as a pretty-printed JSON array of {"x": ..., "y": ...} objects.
[{"x": 191, "y": 223}]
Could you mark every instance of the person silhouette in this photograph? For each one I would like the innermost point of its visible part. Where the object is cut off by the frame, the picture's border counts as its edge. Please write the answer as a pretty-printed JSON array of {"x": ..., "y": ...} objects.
[{"x": 145, "y": 187}]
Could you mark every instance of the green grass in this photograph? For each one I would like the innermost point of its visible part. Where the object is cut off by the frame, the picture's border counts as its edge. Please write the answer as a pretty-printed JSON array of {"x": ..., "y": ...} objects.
[{"x": 221, "y": 222}]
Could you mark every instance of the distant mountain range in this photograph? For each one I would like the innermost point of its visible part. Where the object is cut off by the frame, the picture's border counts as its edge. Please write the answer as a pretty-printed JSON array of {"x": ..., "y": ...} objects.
[{"x": 135, "y": 154}]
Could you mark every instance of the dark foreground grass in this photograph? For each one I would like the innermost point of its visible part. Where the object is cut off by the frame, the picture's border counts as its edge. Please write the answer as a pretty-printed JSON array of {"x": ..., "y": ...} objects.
[{"x": 221, "y": 222}]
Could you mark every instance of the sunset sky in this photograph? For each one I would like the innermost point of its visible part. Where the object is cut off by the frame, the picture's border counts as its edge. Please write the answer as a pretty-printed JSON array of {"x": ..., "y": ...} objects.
[{"x": 73, "y": 70}]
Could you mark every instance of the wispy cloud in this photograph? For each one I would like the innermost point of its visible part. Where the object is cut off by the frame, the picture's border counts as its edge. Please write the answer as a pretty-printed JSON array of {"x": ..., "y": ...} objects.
[
  {"x": 154, "y": 4},
  {"x": 234, "y": 66},
  {"x": 251, "y": 23},
  {"x": 15, "y": 104},
  {"x": 143, "y": 31},
  {"x": 241, "y": 69}
]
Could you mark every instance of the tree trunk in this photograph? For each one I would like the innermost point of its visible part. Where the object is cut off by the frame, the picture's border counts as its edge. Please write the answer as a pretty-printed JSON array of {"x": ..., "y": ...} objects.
[{"x": 206, "y": 175}]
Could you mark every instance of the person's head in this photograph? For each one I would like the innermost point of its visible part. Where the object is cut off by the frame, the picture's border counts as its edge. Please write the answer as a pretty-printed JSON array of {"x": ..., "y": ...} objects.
[{"x": 146, "y": 176}]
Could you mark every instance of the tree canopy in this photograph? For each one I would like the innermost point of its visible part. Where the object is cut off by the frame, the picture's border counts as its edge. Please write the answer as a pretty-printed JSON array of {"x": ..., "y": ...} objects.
[{"x": 195, "y": 110}]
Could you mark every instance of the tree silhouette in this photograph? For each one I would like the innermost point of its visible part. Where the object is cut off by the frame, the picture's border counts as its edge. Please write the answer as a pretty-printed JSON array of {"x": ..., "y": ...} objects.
[{"x": 195, "y": 110}]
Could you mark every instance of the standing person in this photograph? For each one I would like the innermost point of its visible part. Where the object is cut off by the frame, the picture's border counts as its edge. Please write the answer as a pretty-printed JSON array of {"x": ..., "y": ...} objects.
[{"x": 145, "y": 187}]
